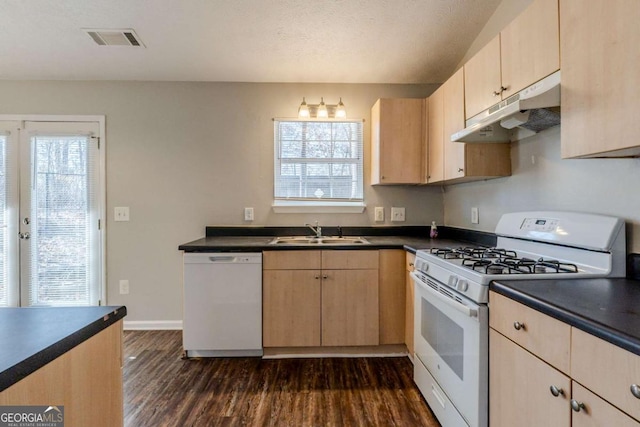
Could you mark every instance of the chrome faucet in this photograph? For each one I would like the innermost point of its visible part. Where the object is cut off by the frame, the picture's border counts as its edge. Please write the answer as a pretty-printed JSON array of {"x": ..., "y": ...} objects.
[{"x": 317, "y": 229}]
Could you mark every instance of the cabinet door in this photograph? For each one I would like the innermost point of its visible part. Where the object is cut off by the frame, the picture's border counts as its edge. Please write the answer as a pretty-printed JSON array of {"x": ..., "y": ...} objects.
[
  {"x": 291, "y": 308},
  {"x": 606, "y": 369},
  {"x": 350, "y": 307},
  {"x": 600, "y": 97},
  {"x": 410, "y": 296},
  {"x": 540, "y": 334},
  {"x": 435, "y": 141},
  {"x": 530, "y": 46},
  {"x": 396, "y": 141},
  {"x": 453, "y": 101},
  {"x": 519, "y": 388},
  {"x": 392, "y": 296},
  {"x": 597, "y": 412},
  {"x": 482, "y": 79}
]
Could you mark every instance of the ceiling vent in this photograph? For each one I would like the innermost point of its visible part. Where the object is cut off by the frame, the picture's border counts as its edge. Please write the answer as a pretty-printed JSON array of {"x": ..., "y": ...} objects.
[{"x": 124, "y": 37}]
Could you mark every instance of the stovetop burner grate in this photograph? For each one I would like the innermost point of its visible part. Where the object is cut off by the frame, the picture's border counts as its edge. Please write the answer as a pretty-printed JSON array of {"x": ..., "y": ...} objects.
[{"x": 502, "y": 261}]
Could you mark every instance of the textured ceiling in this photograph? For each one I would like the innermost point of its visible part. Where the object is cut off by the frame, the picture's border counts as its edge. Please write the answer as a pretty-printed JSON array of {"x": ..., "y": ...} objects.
[{"x": 339, "y": 41}]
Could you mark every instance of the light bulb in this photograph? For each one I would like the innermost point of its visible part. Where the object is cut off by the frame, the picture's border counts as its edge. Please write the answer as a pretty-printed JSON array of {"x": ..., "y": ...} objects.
[
  {"x": 303, "y": 110},
  {"x": 323, "y": 113},
  {"x": 341, "y": 112}
]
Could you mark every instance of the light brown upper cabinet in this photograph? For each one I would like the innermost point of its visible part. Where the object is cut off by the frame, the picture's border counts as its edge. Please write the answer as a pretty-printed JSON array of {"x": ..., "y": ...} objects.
[
  {"x": 600, "y": 78},
  {"x": 527, "y": 50},
  {"x": 451, "y": 162},
  {"x": 397, "y": 138},
  {"x": 435, "y": 137}
]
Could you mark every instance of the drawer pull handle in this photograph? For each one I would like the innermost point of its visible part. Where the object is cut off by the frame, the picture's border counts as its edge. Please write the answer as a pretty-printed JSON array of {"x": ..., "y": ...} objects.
[
  {"x": 635, "y": 390},
  {"x": 518, "y": 326},
  {"x": 577, "y": 406},
  {"x": 556, "y": 391}
]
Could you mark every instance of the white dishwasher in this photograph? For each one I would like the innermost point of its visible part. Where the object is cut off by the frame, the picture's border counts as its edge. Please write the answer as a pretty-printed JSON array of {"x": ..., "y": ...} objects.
[{"x": 222, "y": 313}]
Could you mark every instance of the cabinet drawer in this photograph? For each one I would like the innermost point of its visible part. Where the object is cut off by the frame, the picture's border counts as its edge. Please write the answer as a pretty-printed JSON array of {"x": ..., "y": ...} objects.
[
  {"x": 542, "y": 335},
  {"x": 350, "y": 260},
  {"x": 291, "y": 260},
  {"x": 597, "y": 412},
  {"x": 606, "y": 369}
]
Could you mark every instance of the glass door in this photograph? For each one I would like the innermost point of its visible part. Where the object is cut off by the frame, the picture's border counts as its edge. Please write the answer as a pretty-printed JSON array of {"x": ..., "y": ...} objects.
[{"x": 53, "y": 248}]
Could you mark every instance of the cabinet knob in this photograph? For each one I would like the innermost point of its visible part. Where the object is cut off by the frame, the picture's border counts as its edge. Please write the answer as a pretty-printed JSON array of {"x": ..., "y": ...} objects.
[
  {"x": 556, "y": 391},
  {"x": 518, "y": 326},
  {"x": 381, "y": 176},
  {"x": 577, "y": 406},
  {"x": 460, "y": 169},
  {"x": 324, "y": 276},
  {"x": 317, "y": 276},
  {"x": 635, "y": 390}
]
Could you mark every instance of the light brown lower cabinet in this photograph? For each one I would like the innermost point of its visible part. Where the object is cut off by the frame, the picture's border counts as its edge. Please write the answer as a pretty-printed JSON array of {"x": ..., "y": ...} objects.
[
  {"x": 349, "y": 307},
  {"x": 392, "y": 296},
  {"x": 291, "y": 308},
  {"x": 410, "y": 296},
  {"x": 320, "y": 298},
  {"x": 86, "y": 380},
  {"x": 538, "y": 378},
  {"x": 519, "y": 393}
]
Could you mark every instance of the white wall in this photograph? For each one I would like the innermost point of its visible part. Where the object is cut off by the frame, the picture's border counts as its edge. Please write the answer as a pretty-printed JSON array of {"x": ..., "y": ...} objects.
[{"x": 186, "y": 155}]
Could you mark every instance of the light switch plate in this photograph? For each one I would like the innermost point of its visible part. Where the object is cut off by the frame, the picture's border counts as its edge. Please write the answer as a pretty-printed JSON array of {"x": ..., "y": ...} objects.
[
  {"x": 121, "y": 213},
  {"x": 397, "y": 214},
  {"x": 124, "y": 287},
  {"x": 248, "y": 214},
  {"x": 474, "y": 216},
  {"x": 379, "y": 214}
]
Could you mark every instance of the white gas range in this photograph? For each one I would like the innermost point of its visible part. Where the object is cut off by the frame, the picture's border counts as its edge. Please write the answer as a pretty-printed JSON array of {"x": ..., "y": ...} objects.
[{"x": 452, "y": 292}]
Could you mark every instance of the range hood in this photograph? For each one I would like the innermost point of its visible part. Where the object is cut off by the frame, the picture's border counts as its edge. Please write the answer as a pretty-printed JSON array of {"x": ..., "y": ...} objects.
[{"x": 521, "y": 115}]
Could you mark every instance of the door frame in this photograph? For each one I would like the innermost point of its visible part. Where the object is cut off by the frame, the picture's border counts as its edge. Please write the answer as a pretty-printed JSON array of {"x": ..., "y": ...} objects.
[{"x": 102, "y": 200}]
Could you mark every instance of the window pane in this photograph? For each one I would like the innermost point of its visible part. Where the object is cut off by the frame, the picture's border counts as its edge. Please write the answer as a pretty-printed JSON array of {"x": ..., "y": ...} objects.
[
  {"x": 325, "y": 161},
  {"x": 60, "y": 257}
]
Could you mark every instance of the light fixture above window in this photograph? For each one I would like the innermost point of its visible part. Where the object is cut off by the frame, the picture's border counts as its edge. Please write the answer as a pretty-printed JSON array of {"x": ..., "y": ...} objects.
[{"x": 322, "y": 110}]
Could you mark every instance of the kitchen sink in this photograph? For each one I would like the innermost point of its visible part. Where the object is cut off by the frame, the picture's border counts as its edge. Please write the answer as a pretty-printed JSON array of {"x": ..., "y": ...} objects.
[{"x": 312, "y": 240}]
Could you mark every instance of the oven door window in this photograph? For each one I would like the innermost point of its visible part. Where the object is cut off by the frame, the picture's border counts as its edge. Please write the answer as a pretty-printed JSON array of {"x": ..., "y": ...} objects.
[{"x": 444, "y": 335}]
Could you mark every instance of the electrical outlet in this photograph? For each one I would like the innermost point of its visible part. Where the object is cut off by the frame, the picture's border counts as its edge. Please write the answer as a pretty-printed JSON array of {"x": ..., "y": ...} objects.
[
  {"x": 121, "y": 213},
  {"x": 248, "y": 214},
  {"x": 397, "y": 214},
  {"x": 379, "y": 213},
  {"x": 124, "y": 287},
  {"x": 475, "y": 219}
]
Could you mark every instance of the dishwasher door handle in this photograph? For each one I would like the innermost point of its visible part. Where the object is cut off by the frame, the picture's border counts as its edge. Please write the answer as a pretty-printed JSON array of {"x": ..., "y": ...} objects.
[{"x": 222, "y": 258}]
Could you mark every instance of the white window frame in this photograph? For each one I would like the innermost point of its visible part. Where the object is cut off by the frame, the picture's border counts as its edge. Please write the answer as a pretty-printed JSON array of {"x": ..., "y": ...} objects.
[
  {"x": 309, "y": 205},
  {"x": 102, "y": 198}
]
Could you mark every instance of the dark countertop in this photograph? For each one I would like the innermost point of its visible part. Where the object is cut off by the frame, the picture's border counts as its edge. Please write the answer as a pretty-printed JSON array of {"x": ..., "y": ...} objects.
[
  {"x": 606, "y": 308},
  {"x": 261, "y": 243},
  {"x": 34, "y": 336},
  {"x": 411, "y": 238}
]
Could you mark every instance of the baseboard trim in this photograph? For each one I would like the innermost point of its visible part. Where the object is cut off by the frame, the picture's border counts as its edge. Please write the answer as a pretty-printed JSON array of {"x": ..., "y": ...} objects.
[
  {"x": 152, "y": 325},
  {"x": 388, "y": 350}
]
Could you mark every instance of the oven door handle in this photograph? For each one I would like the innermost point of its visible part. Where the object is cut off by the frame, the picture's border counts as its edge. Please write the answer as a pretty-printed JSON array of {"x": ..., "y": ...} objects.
[{"x": 452, "y": 303}]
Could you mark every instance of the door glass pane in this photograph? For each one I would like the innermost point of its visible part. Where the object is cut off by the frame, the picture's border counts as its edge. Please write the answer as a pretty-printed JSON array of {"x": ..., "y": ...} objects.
[
  {"x": 60, "y": 221},
  {"x": 4, "y": 238}
]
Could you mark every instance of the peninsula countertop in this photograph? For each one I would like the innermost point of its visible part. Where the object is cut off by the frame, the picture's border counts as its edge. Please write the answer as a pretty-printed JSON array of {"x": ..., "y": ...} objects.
[{"x": 31, "y": 337}]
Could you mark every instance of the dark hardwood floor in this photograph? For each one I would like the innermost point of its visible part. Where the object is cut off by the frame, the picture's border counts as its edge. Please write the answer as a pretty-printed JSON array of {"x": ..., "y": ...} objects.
[{"x": 160, "y": 389}]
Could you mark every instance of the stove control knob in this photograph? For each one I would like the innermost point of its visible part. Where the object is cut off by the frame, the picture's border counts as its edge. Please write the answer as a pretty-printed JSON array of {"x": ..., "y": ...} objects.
[
  {"x": 453, "y": 281},
  {"x": 463, "y": 285}
]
